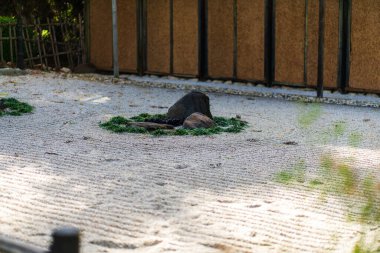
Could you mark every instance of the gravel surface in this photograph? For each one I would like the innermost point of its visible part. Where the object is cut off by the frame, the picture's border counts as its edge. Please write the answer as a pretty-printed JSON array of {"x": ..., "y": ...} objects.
[{"x": 137, "y": 193}]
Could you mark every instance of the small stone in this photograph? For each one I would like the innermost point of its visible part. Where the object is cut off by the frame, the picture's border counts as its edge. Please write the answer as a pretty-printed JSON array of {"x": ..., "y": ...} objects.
[
  {"x": 40, "y": 66},
  {"x": 172, "y": 78},
  {"x": 290, "y": 143},
  {"x": 198, "y": 120},
  {"x": 65, "y": 70},
  {"x": 11, "y": 65}
]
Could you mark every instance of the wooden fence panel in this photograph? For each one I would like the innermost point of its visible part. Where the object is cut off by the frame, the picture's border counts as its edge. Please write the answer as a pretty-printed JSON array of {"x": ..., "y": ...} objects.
[
  {"x": 296, "y": 39},
  {"x": 290, "y": 41},
  {"x": 220, "y": 38},
  {"x": 235, "y": 46},
  {"x": 185, "y": 40},
  {"x": 127, "y": 30},
  {"x": 158, "y": 36},
  {"x": 365, "y": 45},
  {"x": 331, "y": 45},
  {"x": 101, "y": 34},
  {"x": 250, "y": 39}
]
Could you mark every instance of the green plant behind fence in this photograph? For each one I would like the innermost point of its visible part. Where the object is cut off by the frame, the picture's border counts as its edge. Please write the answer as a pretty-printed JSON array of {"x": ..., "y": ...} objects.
[{"x": 4, "y": 29}]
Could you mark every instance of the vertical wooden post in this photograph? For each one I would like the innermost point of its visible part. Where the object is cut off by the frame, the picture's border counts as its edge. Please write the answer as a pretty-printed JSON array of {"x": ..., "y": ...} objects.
[
  {"x": 82, "y": 39},
  {"x": 55, "y": 45},
  {"x": 38, "y": 41},
  {"x": 1, "y": 45},
  {"x": 14, "y": 41},
  {"x": 20, "y": 42},
  {"x": 10, "y": 36},
  {"x": 65, "y": 240},
  {"x": 42, "y": 40},
  {"x": 115, "y": 40},
  {"x": 65, "y": 34},
  {"x": 235, "y": 40},
  {"x": 321, "y": 42},
  {"x": 52, "y": 43},
  {"x": 28, "y": 48}
]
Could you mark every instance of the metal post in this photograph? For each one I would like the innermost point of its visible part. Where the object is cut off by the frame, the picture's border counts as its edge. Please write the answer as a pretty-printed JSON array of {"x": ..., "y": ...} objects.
[
  {"x": 115, "y": 40},
  {"x": 235, "y": 40},
  {"x": 171, "y": 37},
  {"x": 345, "y": 44},
  {"x": 269, "y": 50},
  {"x": 65, "y": 240},
  {"x": 203, "y": 39},
  {"x": 321, "y": 42}
]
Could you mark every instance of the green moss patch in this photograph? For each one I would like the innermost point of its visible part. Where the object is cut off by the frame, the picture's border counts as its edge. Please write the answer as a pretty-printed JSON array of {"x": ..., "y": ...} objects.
[
  {"x": 120, "y": 125},
  {"x": 11, "y": 106}
]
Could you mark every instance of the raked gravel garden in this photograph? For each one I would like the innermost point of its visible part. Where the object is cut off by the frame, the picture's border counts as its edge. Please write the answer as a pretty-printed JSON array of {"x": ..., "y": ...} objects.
[{"x": 298, "y": 177}]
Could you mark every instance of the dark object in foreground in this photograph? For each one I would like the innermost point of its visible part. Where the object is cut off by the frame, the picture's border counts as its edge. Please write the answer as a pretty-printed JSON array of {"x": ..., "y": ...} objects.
[
  {"x": 11, "y": 106},
  {"x": 65, "y": 240},
  {"x": 192, "y": 102}
]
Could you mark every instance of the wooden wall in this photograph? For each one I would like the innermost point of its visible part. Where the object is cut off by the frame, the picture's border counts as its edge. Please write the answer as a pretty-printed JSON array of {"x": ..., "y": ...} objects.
[
  {"x": 184, "y": 49},
  {"x": 250, "y": 39},
  {"x": 158, "y": 36},
  {"x": 365, "y": 45},
  {"x": 220, "y": 38},
  {"x": 290, "y": 41},
  {"x": 101, "y": 34},
  {"x": 185, "y": 37},
  {"x": 297, "y": 32},
  {"x": 236, "y": 41},
  {"x": 246, "y": 50}
]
